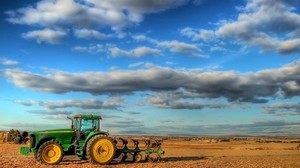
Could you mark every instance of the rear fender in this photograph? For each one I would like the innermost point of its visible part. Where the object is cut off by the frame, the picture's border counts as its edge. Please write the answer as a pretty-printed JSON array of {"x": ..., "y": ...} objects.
[{"x": 92, "y": 134}]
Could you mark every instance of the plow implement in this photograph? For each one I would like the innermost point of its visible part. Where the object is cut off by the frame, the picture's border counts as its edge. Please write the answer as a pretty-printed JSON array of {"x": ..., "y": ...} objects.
[{"x": 138, "y": 150}]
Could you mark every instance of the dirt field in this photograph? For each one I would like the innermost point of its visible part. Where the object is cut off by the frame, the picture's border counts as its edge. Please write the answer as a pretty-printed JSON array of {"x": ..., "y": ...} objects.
[{"x": 186, "y": 153}]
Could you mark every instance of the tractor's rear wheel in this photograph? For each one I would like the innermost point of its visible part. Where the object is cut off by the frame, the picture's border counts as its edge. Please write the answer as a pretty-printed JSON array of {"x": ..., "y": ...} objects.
[
  {"x": 50, "y": 152},
  {"x": 100, "y": 150}
]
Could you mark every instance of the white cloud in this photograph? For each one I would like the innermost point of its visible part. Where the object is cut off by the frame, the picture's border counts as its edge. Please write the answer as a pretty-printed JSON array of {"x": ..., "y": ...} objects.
[
  {"x": 93, "y": 49},
  {"x": 141, "y": 65},
  {"x": 181, "y": 48},
  {"x": 170, "y": 63},
  {"x": 89, "y": 34},
  {"x": 89, "y": 13},
  {"x": 266, "y": 23},
  {"x": 216, "y": 48},
  {"x": 255, "y": 87},
  {"x": 137, "y": 52},
  {"x": 110, "y": 103},
  {"x": 141, "y": 37},
  {"x": 51, "y": 112},
  {"x": 283, "y": 109},
  {"x": 85, "y": 17},
  {"x": 5, "y": 61},
  {"x": 271, "y": 25},
  {"x": 139, "y": 6},
  {"x": 289, "y": 46},
  {"x": 173, "y": 46},
  {"x": 55, "y": 117},
  {"x": 205, "y": 35},
  {"x": 173, "y": 100},
  {"x": 46, "y": 13},
  {"x": 45, "y": 36},
  {"x": 135, "y": 65}
]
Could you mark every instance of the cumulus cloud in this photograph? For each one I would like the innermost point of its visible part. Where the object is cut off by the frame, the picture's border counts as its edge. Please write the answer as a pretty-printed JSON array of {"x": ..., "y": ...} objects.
[
  {"x": 180, "y": 99},
  {"x": 271, "y": 25},
  {"x": 289, "y": 46},
  {"x": 89, "y": 34},
  {"x": 45, "y": 36},
  {"x": 142, "y": 37},
  {"x": 166, "y": 121},
  {"x": 55, "y": 117},
  {"x": 128, "y": 124},
  {"x": 133, "y": 112},
  {"x": 283, "y": 109},
  {"x": 136, "y": 65},
  {"x": 28, "y": 102},
  {"x": 258, "y": 127},
  {"x": 5, "y": 61},
  {"x": 88, "y": 13},
  {"x": 86, "y": 18},
  {"x": 50, "y": 112},
  {"x": 206, "y": 35},
  {"x": 111, "y": 103},
  {"x": 92, "y": 49},
  {"x": 137, "y": 52},
  {"x": 174, "y": 46},
  {"x": 254, "y": 87},
  {"x": 181, "y": 48}
]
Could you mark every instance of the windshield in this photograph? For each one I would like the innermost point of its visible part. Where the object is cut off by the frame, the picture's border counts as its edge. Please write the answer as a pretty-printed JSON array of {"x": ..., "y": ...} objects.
[
  {"x": 82, "y": 124},
  {"x": 89, "y": 125}
]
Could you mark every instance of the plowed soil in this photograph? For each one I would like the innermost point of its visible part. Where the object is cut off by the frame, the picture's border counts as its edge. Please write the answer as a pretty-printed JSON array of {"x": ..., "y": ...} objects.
[{"x": 183, "y": 154}]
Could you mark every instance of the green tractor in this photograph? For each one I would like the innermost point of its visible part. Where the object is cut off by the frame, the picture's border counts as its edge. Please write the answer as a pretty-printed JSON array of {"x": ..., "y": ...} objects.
[{"x": 86, "y": 140}]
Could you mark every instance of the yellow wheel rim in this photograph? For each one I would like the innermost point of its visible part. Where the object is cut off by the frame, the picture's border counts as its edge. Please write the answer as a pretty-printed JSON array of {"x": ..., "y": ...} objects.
[
  {"x": 51, "y": 153},
  {"x": 103, "y": 150}
]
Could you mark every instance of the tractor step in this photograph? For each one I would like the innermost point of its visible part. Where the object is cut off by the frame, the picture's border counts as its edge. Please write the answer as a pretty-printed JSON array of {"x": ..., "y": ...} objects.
[{"x": 79, "y": 151}]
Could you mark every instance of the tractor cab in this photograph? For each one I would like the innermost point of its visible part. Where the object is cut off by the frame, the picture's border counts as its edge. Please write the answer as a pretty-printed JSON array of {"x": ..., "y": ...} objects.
[{"x": 84, "y": 124}]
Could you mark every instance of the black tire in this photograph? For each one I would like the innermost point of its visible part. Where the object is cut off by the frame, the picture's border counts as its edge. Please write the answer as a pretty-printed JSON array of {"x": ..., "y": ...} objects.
[
  {"x": 50, "y": 153},
  {"x": 100, "y": 150}
]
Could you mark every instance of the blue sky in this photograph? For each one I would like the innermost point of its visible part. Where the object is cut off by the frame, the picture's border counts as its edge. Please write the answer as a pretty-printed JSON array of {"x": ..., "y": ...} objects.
[{"x": 185, "y": 67}]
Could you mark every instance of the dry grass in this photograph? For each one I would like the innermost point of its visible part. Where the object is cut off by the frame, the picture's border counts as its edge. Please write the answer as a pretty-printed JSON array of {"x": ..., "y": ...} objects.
[{"x": 181, "y": 153}]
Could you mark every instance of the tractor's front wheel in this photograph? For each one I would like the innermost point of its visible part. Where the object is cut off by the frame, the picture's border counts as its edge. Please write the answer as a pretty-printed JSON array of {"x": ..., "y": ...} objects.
[
  {"x": 50, "y": 152},
  {"x": 100, "y": 150}
]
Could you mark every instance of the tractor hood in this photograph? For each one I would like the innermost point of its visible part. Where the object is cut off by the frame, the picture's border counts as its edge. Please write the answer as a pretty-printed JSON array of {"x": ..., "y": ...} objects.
[
  {"x": 54, "y": 131},
  {"x": 65, "y": 136}
]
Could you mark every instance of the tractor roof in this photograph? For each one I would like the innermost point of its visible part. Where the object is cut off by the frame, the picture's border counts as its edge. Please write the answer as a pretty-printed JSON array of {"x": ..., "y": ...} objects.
[{"x": 87, "y": 116}]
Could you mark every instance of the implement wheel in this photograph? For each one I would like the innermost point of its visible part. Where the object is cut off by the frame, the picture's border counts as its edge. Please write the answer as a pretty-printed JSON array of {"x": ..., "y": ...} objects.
[
  {"x": 100, "y": 150},
  {"x": 50, "y": 152},
  {"x": 138, "y": 157}
]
